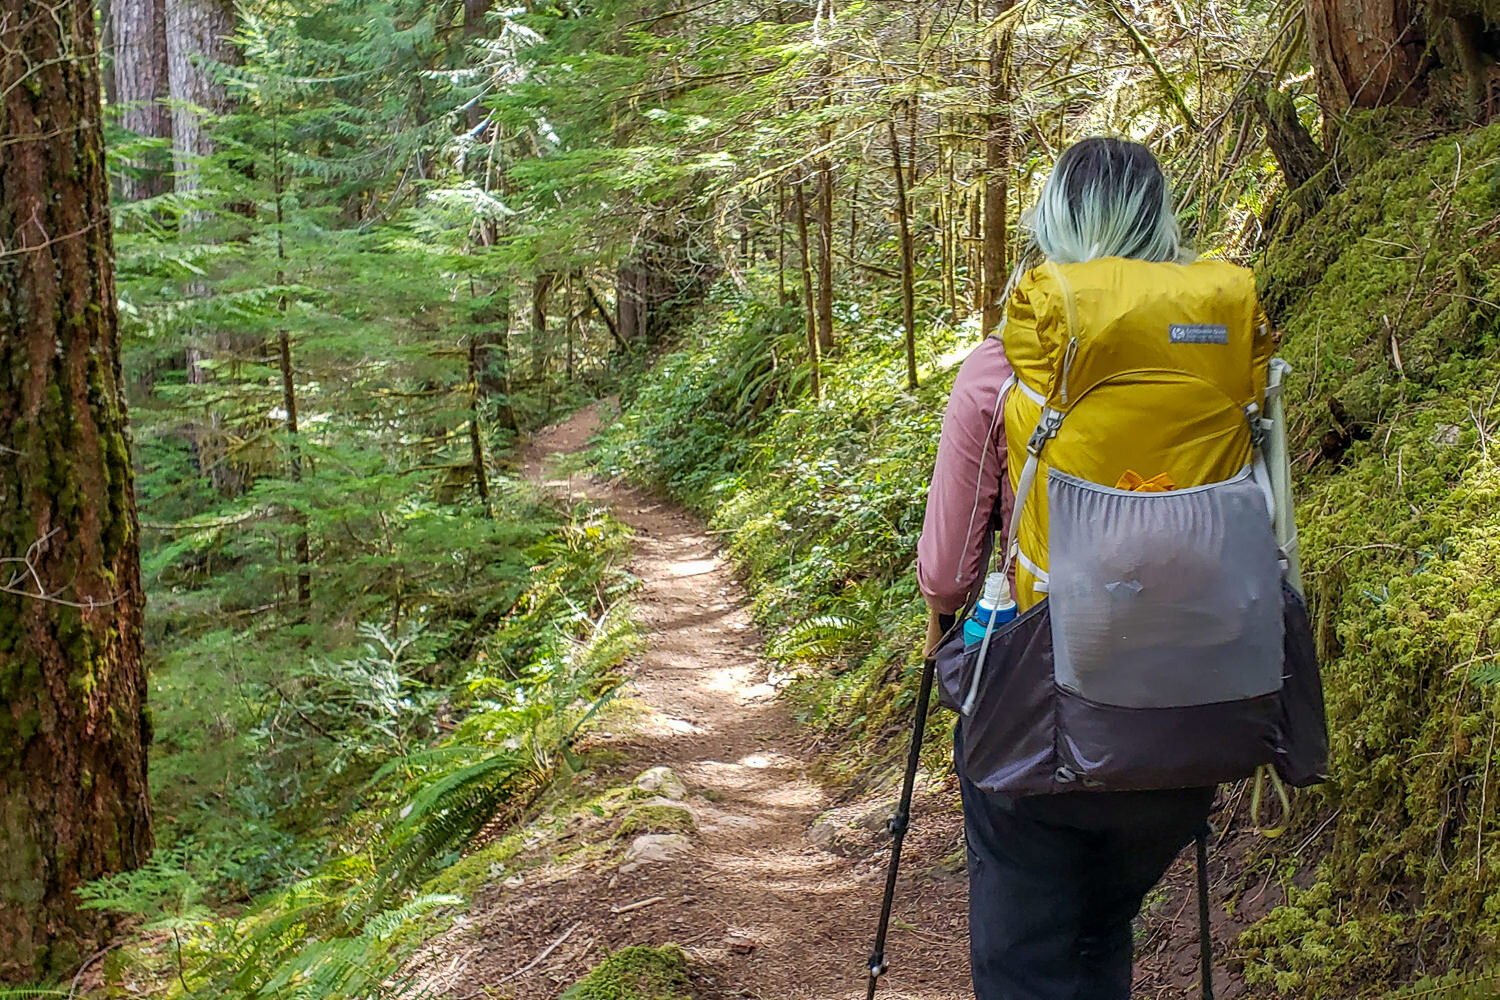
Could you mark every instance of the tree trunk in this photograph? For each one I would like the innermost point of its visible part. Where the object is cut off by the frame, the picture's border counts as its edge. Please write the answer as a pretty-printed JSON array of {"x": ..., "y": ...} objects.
[
  {"x": 825, "y": 254},
  {"x": 294, "y": 469},
  {"x": 1368, "y": 53},
  {"x": 780, "y": 243},
  {"x": 569, "y": 320},
  {"x": 289, "y": 392},
  {"x": 651, "y": 287},
  {"x": 807, "y": 295},
  {"x": 609, "y": 323},
  {"x": 540, "y": 290},
  {"x": 140, "y": 85},
  {"x": 975, "y": 254},
  {"x": 74, "y": 732},
  {"x": 107, "y": 51},
  {"x": 199, "y": 34},
  {"x": 908, "y": 265},
  {"x": 474, "y": 12},
  {"x": 1299, "y": 157},
  {"x": 494, "y": 358},
  {"x": 997, "y": 145},
  {"x": 949, "y": 230},
  {"x": 476, "y": 442}
]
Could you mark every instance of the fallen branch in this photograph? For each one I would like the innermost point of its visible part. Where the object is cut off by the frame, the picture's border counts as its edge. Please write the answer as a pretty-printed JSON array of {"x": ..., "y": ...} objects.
[
  {"x": 543, "y": 956},
  {"x": 638, "y": 905}
]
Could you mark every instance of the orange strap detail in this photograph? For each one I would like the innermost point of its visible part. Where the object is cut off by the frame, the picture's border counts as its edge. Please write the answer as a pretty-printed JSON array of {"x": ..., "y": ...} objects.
[{"x": 1136, "y": 483}]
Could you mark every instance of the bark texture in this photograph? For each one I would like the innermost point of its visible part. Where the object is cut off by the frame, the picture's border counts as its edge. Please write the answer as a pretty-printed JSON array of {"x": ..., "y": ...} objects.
[
  {"x": 1367, "y": 53},
  {"x": 1299, "y": 157},
  {"x": 140, "y": 85},
  {"x": 73, "y": 737},
  {"x": 198, "y": 36},
  {"x": 997, "y": 150}
]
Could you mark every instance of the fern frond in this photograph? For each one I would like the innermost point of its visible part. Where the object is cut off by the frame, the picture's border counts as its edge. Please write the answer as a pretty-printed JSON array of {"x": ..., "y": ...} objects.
[
  {"x": 1480, "y": 985},
  {"x": 816, "y": 637},
  {"x": 447, "y": 812}
]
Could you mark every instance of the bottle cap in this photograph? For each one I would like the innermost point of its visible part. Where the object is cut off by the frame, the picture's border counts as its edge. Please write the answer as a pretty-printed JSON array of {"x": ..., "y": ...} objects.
[{"x": 996, "y": 591}]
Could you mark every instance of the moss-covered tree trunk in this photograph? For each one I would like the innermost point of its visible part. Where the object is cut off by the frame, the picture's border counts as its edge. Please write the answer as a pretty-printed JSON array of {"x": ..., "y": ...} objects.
[
  {"x": 997, "y": 167},
  {"x": 74, "y": 732}
]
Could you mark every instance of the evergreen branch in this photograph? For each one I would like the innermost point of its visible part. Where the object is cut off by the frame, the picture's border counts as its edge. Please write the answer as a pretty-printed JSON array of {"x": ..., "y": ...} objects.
[
  {"x": 1151, "y": 59},
  {"x": 671, "y": 13}
]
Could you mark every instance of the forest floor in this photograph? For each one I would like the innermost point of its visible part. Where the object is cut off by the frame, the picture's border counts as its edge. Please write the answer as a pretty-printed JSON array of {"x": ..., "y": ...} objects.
[{"x": 774, "y": 890}]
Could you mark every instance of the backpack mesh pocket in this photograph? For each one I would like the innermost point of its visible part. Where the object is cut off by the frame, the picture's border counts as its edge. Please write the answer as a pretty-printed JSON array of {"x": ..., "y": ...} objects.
[{"x": 1164, "y": 600}]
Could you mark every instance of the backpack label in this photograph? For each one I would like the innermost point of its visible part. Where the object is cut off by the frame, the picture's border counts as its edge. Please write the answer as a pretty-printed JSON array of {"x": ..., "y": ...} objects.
[{"x": 1198, "y": 333}]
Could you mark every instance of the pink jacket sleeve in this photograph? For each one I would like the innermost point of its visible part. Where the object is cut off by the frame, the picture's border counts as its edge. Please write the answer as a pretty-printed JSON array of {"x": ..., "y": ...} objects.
[{"x": 969, "y": 476}]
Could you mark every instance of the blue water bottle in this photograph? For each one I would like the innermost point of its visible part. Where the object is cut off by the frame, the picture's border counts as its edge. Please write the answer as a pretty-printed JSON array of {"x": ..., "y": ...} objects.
[{"x": 994, "y": 604}]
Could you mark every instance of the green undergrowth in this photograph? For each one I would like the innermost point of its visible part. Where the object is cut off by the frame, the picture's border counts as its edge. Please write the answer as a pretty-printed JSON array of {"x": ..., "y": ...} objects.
[
  {"x": 1388, "y": 297},
  {"x": 636, "y": 973},
  {"x": 819, "y": 502},
  {"x": 571, "y": 823},
  {"x": 431, "y": 748}
]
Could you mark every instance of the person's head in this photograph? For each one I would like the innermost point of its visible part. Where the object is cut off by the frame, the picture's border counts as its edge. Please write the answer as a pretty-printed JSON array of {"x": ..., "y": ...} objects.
[{"x": 1106, "y": 198}]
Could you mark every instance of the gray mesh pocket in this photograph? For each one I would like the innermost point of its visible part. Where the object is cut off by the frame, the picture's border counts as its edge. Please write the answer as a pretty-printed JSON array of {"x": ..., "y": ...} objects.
[{"x": 1163, "y": 600}]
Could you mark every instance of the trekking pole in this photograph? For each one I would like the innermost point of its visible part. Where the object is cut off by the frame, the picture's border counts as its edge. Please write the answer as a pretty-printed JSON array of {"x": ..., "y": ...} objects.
[
  {"x": 899, "y": 822},
  {"x": 1205, "y": 943}
]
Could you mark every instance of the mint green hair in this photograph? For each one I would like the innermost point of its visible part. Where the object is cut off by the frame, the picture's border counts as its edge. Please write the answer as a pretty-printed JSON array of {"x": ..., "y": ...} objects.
[{"x": 1106, "y": 198}]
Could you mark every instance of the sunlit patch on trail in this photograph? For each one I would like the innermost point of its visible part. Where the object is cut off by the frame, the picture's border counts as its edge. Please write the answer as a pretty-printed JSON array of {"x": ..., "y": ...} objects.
[{"x": 693, "y": 567}]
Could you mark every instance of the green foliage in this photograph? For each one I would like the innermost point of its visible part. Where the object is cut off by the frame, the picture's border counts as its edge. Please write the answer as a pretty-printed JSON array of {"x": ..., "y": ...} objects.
[
  {"x": 635, "y": 973},
  {"x": 286, "y": 949},
  {"x": 1400, "y": 516},
  {"x": 1454, "y": 986},
  {"x": 372, "y": 769}
]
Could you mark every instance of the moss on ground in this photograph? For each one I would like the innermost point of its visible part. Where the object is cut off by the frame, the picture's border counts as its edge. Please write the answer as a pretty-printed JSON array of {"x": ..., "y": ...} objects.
[
  {"x": 636, "y": 973},
  {"x": 658, "y": 817},
  {"x": 1400, "y": 515}
]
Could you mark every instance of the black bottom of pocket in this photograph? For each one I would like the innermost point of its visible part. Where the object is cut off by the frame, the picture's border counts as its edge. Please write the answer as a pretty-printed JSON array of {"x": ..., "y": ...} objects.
[
  {"x": 1027, "y": 736},
  {"x": 1127, "y": 749},
  {"x": 1008, "y": 739}
]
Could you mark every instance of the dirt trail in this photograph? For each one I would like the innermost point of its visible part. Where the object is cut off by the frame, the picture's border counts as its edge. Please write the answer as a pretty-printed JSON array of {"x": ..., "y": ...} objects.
[
  {"x": 762, "y": 910},
  {"x": 754, "y": 901}
]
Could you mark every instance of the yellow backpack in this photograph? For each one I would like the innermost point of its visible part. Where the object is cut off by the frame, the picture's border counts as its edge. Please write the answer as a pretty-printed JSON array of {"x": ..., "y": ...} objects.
[
  {"x": 1168, "y": 647},
  {"x": 1129, "y": 374}
]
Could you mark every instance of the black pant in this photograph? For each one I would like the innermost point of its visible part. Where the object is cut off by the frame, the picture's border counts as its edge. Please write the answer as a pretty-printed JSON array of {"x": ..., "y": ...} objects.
[{"x": 1055, "y": 882}]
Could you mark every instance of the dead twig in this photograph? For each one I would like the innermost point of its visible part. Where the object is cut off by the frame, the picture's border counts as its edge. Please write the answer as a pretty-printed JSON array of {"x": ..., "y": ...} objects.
[
  {"x": 543, "y": 956},
  {"x": 640, "y": 904}
]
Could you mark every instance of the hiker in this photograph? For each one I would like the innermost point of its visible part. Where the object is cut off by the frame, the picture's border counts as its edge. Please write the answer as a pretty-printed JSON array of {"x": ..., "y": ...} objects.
[{"x": 1056, "y": 879}]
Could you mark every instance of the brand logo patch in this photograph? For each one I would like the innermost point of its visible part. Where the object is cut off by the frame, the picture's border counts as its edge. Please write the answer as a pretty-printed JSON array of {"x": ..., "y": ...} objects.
[{"x": 1198, "y": 333}]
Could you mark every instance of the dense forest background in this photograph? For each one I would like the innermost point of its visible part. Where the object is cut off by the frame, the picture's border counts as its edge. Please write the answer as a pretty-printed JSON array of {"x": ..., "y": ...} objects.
[{"x": 354, "y": 251}]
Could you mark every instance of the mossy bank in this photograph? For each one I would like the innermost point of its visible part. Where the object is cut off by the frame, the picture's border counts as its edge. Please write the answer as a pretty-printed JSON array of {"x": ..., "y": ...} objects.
[{"x": 1387, "y": 297}]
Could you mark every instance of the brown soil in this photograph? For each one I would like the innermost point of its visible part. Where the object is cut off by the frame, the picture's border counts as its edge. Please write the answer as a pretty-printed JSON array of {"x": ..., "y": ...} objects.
[{"x": 760, "y": 910}]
